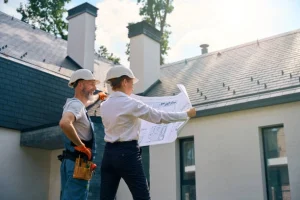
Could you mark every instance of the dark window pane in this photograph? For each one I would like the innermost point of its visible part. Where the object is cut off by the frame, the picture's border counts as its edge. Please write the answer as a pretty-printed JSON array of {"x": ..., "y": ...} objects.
[
  {"x": 188, "y": 160},
  {"x": 188, "y": 170},
  {"x": 188, "y": 192},
  {"x": 277, "y": 178}
]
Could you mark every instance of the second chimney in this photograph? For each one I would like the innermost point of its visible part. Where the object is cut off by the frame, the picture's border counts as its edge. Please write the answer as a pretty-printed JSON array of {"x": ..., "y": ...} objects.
[
  {"x": 144, "y": 55},
  {"x": 204, "y": 48},
  {"x": 81, "y": 35}
]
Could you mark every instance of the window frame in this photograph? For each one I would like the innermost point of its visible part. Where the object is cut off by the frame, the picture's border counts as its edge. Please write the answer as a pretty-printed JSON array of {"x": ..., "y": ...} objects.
[
  {"x": 181, "y": 161},
  {"x": 265, "y": 159}
]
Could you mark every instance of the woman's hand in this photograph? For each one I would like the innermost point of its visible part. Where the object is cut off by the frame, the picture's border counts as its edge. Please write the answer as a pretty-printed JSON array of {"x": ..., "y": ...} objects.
[{"x": 191, "y": 112}]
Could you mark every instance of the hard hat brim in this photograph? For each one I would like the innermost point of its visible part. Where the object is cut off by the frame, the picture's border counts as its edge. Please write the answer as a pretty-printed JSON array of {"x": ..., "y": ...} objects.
[
  {"x": 135, "y": 80},
  {"x": 72, "y": 84}
]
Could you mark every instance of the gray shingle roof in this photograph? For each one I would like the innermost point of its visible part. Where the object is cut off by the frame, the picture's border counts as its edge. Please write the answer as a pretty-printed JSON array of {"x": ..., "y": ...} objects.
[
  {"x": 20, "y": 40},
  {"x": 256, "y": 70}
]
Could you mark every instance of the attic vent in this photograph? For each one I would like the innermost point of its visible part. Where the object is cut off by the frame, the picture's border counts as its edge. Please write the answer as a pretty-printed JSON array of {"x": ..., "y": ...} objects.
[
  {"x": 204, "y": 48},
  {"x": 291, "y": 76},
  {"x": 251, "y": 78},
  {"x": 282, "y": 72},
  {"x": 12, "y": 18},
  {"x": 258, "y": 82},
  {"x": 201, "y": 94},
  {"x": 233, "y": 91},
  {"x": 44, "y": 60},
  {"x": 265, "y": 86},
  {"x": 228, "y": 88},
  {"x": 198, "y": 90},
  {"x": 223, "y": 84},
  {"x": 219, "y": 54},
  {"x": 205, "y": 97}
]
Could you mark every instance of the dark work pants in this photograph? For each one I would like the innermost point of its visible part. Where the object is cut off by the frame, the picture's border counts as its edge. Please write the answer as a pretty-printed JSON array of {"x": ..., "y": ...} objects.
[{"x": 123, "y": 160}]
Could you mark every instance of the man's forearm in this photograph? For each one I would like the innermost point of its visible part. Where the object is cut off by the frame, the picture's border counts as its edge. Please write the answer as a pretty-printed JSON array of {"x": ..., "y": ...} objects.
[{"x": 71, "y": 133}]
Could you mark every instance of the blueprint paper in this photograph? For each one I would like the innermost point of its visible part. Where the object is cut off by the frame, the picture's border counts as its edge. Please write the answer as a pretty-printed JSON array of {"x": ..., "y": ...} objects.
[{"x": 152, "y": 134}]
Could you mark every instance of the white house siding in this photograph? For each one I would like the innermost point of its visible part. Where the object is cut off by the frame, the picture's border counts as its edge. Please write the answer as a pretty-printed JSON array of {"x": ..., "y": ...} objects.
[
  {"x": 229, "y": 159},
  {"x": 54, "y": 180},
  {"x": 24, "y": 172}
]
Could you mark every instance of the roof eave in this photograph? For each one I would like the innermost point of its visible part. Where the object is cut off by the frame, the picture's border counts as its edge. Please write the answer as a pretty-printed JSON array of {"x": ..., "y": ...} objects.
[{"x": 250, "y": 105}]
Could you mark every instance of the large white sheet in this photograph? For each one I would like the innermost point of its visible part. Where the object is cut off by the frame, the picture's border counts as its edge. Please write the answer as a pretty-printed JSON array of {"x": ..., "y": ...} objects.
[{"x": 152, "y": 134}]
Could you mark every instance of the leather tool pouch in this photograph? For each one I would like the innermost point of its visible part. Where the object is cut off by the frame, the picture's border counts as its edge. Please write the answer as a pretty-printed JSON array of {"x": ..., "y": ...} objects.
[{"x": 82, "y": 169}]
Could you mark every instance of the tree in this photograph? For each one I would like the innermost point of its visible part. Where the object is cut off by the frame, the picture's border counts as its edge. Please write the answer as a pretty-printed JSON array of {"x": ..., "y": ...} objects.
[
  {"x": 46, "y": 15},
  {"x": 102, "y": 51},
  {"x": 155, "y": 13}
]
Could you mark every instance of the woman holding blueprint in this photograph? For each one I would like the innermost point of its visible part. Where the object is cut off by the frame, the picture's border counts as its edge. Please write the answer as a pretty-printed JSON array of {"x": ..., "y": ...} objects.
[{"x": 121, "y": 116}]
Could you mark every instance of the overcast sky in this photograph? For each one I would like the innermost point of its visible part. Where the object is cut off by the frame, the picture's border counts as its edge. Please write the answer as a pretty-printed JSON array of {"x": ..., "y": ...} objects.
[{"x": 219, "y": 23}]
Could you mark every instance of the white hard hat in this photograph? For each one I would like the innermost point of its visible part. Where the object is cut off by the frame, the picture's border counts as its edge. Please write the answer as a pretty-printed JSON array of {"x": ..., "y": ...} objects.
[
  {"x": 84, "y": 74},
  {"x": 118, "y": 71}
]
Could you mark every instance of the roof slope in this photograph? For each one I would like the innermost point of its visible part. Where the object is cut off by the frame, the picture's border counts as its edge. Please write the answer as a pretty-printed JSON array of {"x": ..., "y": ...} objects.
[
  {"x": 32, "y": 45},
  {"x": 249, "y": 72}
]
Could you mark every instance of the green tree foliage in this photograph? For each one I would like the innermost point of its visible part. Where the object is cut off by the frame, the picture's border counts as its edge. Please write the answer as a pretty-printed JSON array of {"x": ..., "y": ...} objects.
[
  {"x": 102, "y": 51},
  {"x": 46, "y": 15},
  {"x": 155, "y": 12}
]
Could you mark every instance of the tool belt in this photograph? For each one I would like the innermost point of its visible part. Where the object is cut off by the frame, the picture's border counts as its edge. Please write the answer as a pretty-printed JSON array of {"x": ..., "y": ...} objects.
[
  {"x": 66, "y": 154},
  {"x": 82, "y": 169},
  {"x": 73, "y": 155}
]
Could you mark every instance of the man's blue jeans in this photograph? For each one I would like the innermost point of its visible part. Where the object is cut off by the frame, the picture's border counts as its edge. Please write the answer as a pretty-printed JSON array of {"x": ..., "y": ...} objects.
[{"x": 72, "y": 189}]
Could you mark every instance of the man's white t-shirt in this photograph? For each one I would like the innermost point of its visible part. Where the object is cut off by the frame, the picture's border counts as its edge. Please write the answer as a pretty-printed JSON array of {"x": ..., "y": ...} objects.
[{"x": 81, "y": 124}]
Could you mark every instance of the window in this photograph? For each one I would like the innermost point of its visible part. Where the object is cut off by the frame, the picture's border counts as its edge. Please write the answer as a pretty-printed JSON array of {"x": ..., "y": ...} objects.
[
  {"x": 276, "y": 164},
  {"x": 187, "y": 169},
  {"x": 146, "y": 162}
]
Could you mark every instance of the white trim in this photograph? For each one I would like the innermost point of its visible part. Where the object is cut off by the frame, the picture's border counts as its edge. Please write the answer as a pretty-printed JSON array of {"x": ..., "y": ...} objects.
[
  {"x": 274, "y": 162},
  {"x": 190, "y": 168}
]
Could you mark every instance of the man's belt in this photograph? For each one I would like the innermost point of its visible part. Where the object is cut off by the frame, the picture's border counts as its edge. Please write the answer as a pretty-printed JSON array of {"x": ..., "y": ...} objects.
[{"x": 66, "y": 154}]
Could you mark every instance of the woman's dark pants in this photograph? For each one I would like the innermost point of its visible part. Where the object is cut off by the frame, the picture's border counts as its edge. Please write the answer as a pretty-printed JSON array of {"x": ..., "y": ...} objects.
[{"x": 123, "y": 160}]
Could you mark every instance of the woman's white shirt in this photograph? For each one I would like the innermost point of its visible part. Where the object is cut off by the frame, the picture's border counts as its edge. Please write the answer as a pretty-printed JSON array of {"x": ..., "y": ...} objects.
[{"x": 121, "y": 116}]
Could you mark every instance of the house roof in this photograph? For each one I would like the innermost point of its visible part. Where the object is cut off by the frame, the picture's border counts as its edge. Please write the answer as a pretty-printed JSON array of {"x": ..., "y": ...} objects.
[
  {"x": 23, "y": 42},
  {"x": 34, "y": 73},
  {"x": 259, "y": 70}
]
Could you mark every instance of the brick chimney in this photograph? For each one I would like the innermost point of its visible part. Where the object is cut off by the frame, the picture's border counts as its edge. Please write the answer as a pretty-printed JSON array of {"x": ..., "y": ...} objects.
[
  {"x": 144, "y": 55},
  {"x": 81, "y": 35}
]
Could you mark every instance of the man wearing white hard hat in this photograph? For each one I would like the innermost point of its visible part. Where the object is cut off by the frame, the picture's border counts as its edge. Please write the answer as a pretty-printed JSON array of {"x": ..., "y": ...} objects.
[
  {"x": 121, "y": 116},
  {"x": 79, "y": 139}
]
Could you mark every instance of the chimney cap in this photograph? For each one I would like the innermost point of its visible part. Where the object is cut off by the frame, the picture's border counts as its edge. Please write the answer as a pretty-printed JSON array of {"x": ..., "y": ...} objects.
[
  {"x": 85, "y": 7},
  {"x": 145, "y": 28},
  {"x": 204, "y": 45}
]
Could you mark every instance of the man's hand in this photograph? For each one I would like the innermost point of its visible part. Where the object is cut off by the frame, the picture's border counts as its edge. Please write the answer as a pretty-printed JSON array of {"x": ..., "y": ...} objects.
[
  {"x": 83, "y": 149},
  {"x": 191, "y": 112},
  {"x": 102, "y": 96}
]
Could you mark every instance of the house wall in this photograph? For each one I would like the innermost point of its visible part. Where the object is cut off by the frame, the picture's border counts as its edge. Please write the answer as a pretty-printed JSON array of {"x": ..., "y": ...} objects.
[
  {"x": 54, "y": 179},
  {"x": 229, "y": 159},
  {"x": 24, "y": 171}
]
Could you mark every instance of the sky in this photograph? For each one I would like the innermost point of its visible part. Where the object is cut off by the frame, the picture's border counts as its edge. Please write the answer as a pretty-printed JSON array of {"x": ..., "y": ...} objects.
[{"x": 219, "y": 23}]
